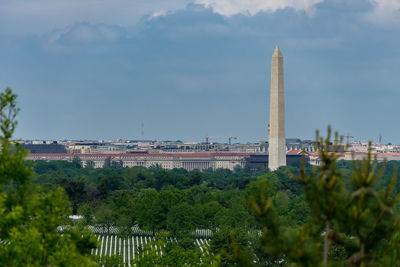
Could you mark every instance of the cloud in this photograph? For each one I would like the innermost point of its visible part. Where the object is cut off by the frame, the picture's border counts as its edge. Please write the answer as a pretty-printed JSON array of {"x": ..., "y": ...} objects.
[
  {"x": 27, "y": 17},
  {"x": 160, "y": 13},
  {"x": 40, "y": 16},
  {"x": 385, "y": 12},
  {"x": 252, "y": 7},
  {"x": 82, "y": 33}
]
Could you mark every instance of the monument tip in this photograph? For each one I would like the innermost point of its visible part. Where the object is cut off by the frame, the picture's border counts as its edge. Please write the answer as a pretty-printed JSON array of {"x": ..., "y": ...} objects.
[{"x": 277, "y": 52}]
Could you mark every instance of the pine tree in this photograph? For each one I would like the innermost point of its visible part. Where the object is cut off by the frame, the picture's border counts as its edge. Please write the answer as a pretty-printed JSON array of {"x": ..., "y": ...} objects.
[{"x": 358, "y": 218}]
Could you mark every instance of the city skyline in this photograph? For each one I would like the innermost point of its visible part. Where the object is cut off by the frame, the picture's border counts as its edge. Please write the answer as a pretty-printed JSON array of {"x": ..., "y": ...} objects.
[{"x": 191, "y": 68}]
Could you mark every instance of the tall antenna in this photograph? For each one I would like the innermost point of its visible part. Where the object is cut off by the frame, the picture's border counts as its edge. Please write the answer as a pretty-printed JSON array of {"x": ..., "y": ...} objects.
[{"x": 142, "y": 130}]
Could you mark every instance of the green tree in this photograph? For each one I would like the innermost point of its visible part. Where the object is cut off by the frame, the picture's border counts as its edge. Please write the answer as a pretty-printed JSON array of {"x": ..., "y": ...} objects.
[
  {"x": 76, "y": 188},
  {"x": 173, "y": 255},
  {"x": 195, "y": 178},
  {"x": 77, "y": 162},
  {"x": 357, "y": 224},
  {"x": 181, "y": 219},
  {"x": 89, "y": 164},
  {"x": 117, "y": 164},
  {"x": 108, "y": 184},
  {"x": 208, "y": 212},
  {"x": 233, "y": 246},
  {"x": 109, "y": 261},
  {"x": 370, "y": 215},
  {"x": 86, "y": 211},
  {"x": 104, "y": 217},
  {"x": 107, "y": 163},
  {"x": 30, "y": 216},
  {"x": 123, "y": 211},
  {"x": 150, "y": 215},
  {"x": 325, "y": 193}
]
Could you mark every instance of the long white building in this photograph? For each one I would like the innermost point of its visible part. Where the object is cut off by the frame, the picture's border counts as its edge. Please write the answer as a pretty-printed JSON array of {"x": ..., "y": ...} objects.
[{"x": 188, "y": 161}]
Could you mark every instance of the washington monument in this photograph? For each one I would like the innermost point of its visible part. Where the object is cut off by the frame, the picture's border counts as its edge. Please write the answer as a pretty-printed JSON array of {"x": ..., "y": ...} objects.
[{"x": 276, "y": 132}]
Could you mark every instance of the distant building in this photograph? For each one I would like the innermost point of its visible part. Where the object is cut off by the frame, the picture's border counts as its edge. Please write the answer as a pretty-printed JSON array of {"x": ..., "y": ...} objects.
[
  {"x": 53, "y": 148},
  {"x": 188, "y": 161},
  {"x": 260, "y": 161},
  {"x": 96, "y": 147},
  {"x": 388, "y": 156}
]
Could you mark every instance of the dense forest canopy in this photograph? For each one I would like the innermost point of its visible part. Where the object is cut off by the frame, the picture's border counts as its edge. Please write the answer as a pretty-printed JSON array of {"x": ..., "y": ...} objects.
[{"x": 179, "y": 201}]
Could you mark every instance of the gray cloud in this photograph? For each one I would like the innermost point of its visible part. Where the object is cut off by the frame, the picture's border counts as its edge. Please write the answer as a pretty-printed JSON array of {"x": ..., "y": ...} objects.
[
  {"x": 246, "y": 7},
  {"x": 40, "y": 16},
  {"x": 84, "y": 33},
  {"x": 385, "y": 12},
  {"x": 21, "y": 17}
]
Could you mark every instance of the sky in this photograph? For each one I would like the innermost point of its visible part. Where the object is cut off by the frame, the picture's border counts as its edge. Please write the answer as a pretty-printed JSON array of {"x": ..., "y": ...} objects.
[{"x": 98, "y": 69}]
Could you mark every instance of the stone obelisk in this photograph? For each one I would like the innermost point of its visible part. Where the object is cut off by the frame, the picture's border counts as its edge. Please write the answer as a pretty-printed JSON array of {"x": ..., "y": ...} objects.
[{"x": 277, "y": 138}]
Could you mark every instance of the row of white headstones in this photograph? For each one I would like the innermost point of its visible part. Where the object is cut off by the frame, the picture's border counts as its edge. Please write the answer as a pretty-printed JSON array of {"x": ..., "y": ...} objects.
[
  {"x": 112, "y": 230},
  {"x": 129, "y": 248}
]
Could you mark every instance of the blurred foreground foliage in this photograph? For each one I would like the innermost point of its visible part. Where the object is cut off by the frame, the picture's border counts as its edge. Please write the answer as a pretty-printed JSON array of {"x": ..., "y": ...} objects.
[
  {"x": 30, "y": 215},
  {"x": 353, "y": 225}
]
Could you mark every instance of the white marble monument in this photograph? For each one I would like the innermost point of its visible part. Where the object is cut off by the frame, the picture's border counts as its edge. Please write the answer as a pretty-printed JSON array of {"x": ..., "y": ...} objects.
[{"x": 276, "y": 132}]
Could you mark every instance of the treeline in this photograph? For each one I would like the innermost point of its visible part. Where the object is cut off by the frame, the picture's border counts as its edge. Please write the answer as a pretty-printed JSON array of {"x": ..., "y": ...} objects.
[{"x": 176, "y": 200}]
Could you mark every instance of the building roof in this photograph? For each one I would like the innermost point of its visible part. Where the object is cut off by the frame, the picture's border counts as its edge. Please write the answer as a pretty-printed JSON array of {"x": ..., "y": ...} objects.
[{"x": 293, "y": 152}]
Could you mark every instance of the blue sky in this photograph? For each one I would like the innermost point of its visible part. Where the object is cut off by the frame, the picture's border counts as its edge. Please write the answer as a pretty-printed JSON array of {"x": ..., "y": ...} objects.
[{"x": 97, "y": 69}]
